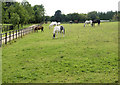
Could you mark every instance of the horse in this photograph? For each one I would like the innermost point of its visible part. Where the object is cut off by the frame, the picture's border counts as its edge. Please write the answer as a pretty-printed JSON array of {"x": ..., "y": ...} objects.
[
  {"x": 76, "y": 21},
  {"x": 58, "y": 29},
  {"x": 70, "y": 22},
  {"x": 58, "y": 23},
  {"x": 88, "y": 22},
  {"x": 52, "y": 24},
  {"x": 95, "y": 21},
  {"x": 39, "y": 28}
]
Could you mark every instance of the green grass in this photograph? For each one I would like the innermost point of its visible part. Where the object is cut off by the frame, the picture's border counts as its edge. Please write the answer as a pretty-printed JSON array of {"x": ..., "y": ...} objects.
[{"x": 84, "y": 55}]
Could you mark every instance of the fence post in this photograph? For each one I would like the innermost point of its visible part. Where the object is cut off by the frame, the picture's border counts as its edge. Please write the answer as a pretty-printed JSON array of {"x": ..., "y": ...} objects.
[
  {"x": 6, "y": 38},
  {"x": 7, "y": 28},
  {"x": 2, "y": 29},
  {"x": 9, "y": 36},
  {"x": 16, "y": 34},
  {"x": 21, "y": 33},
  {"x": 0, "y": 40},
  {"x": 13, "y": 35}
]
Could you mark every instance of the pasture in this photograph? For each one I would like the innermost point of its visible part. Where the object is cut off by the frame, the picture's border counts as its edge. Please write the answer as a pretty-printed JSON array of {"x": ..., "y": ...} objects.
[{"x": 85, "y": 55}]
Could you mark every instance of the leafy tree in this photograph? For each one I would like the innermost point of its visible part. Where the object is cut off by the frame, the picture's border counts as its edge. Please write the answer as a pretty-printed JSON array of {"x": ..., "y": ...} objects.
[
  {"x": 116, "y": 17},
  {"x": 39, "y": 13},
  {"x": 57, "y": 16},
  {"x": 83, "y": 17},
  {"x": 63, "y": 18},
  {"x": 30, "y": 11},
  {"x": 92, "y": 15},
  {"x": 52, "y": 18},
  {"x": 15, "y": 19},
  {"x": 47, "y": 18}
]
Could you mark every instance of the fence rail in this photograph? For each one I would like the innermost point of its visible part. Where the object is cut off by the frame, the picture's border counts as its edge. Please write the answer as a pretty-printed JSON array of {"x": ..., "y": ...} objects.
[{"x": 12, "y": 35}]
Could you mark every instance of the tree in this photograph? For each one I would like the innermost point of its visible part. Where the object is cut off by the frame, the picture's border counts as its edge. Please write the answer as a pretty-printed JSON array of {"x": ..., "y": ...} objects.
[
  {"x": 57, "y": 16},
  {"x": 52, "y": 18},
  {"x": 39, "y": 13},
  {"x": 115, "y": 17},
  {"x": 83, "y": 17},
  {"x": 92, "y": 15},
  {"x": 15, "y": 19},
  {"x": 30, "y": 11},
  {"x": 47, "y": 18}
]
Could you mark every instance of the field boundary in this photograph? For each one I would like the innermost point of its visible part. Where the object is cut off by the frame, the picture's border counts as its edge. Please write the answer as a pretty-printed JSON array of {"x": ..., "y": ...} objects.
[{"x": 12, "y": 35}]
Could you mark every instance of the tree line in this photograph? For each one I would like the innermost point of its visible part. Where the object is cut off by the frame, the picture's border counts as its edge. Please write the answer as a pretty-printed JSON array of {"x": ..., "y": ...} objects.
[
  {"x": 22, "y": 13},
  {"x": 59, "y": 17}
]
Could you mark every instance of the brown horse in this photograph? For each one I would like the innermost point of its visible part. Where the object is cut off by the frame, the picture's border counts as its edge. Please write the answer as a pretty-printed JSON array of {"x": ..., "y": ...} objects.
[
  {"x": 39, "y": 28},
  {"x": 76, "y": 21}
]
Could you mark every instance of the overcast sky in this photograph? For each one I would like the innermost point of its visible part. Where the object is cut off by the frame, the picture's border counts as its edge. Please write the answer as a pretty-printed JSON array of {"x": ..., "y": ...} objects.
[{"x": 78, "y": 6}]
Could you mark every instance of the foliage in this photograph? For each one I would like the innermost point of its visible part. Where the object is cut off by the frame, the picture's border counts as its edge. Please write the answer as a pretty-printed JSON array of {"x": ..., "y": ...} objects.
[
  {"x": 92, "y": 15},
  {"x": 39, "y": 13},
  {"x": 26, "y": 12},
  {"x": 15, "y": 19},
  {"x": 116, "y": 17},
  {"x": 57, "y": 16},
  {"x": 82, "y": 17}
]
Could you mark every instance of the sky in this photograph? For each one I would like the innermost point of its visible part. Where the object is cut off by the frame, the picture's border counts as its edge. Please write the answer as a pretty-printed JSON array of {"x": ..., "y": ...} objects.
[{"x": 75, "y": 6}]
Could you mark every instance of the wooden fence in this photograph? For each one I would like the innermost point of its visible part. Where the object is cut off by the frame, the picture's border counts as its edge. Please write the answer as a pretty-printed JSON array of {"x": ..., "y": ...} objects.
[{"x": 12, "y": 35}]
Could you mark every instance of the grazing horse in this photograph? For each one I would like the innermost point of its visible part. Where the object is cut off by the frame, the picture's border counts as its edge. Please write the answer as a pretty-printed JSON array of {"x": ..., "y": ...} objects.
[
  {"x": 70, "y": 22},
  {"x": 39, "y": 28},
  {"x": 58, "y": 23},
  {"x": 58, "y": 29},
  {"x": 76, "y": 21},
  {"x": 52, "y": 24},
  {"x": 88, "y": 22},
  {"x": 95, "y": 21}
]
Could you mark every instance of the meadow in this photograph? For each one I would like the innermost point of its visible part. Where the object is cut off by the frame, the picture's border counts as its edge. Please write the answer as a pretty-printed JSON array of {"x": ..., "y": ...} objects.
[{"x": 85, "y": 55}]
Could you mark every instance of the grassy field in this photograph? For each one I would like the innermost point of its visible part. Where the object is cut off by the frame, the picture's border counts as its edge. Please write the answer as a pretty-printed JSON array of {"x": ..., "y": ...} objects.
[{"x": 84, "y": 55}]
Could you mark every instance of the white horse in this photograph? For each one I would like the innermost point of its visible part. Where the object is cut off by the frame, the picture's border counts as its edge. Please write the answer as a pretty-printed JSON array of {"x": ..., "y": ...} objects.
[
  {"x": 58, "y": 29},
  {"x": 88, "y": 22},
  {"x": 54, "y": 24},
  {"x": 58, "y": 23}
]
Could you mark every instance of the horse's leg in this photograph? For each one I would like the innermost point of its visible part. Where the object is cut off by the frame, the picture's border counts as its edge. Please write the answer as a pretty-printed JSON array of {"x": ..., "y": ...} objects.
[
  {"x": 57, "y": 34},
  {"x": 63, "y": 34},
  {"x": 41, "y": 29},
  {"x": 98, "y": 24},
  {"x": 94, "y": 25},
  {"x": 84, "y": 25}
]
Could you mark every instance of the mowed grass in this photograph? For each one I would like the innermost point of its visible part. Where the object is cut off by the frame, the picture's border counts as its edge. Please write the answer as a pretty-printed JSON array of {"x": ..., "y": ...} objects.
[{"x": 85, "y": 55}]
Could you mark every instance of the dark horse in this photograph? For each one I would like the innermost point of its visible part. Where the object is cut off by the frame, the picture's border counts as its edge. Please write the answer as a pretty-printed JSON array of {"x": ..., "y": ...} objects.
[
  {"x": 39, "y": 28},
  {"x": 95, "y": 21}
]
